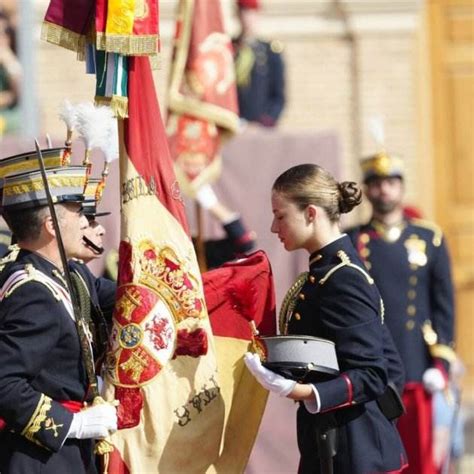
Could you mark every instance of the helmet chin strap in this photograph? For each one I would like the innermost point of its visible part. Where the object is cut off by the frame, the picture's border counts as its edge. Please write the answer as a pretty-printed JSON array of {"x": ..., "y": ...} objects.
[{"x": 98, "y": 250}]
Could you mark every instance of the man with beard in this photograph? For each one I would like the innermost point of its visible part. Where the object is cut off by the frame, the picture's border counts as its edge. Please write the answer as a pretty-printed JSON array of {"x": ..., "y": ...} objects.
[{"x": 409, "y": 261}]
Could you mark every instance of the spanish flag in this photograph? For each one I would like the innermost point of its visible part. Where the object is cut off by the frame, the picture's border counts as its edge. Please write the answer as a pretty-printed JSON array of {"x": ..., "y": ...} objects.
[{"x": 161, "y": 363}]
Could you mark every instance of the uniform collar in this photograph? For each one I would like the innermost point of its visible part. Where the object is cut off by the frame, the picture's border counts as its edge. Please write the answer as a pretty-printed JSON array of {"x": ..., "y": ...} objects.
[{"x": 326, "y": 254}]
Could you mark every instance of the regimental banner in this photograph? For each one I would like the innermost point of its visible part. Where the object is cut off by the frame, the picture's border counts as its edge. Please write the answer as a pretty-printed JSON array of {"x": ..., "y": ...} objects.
[
  {"x": 161, "y": 363},
  {"x": 127, "y": 27},
  {"x": 202, "y": 100}
]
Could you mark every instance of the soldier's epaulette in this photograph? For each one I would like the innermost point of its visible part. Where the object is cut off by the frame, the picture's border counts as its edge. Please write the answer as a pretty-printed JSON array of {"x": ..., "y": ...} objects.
[
  {"x": 277, "y": 46},
  {"x": 10, "y": 257},
  {"x": 25, "y": 275},
  {"x": 345, "y": 262},
  {"x": 437, "y": 232}
]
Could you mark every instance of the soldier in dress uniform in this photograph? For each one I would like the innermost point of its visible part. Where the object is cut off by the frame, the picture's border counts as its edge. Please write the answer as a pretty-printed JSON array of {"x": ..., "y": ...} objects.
[
  {"x": 335, "y": 300},
  {"x": 46, "y": 359},
  {"x": 409, "y": 261},
  {"x": 260, "y": 72}
]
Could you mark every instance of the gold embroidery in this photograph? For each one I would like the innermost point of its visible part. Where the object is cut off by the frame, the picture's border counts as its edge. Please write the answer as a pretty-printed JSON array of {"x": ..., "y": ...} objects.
[
  {"x": 345, "y": 262},
  {"x": 128, "y": 302},
  {"x": 10, "y": 256},
  {"x": 38, "y": 417},
  {"x": 135, "y": 364},
  {"x": 31, "y": 274},
  {"x": 37, "y": 185},
  {"x": 164, "y": 272},
  {"x": 289, "y": 302},
  {"x": 50, "y": 424},
  {"x": 437, "y": 233}
]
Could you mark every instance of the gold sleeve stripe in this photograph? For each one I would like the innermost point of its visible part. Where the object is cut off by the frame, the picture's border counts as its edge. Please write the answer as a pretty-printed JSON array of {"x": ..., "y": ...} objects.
[{"x": 38, "y": 417}]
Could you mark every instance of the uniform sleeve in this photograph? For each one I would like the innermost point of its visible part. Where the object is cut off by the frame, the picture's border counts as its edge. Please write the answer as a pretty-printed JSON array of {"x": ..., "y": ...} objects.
[
  {"x": 29, "y": 329},
  {"x": 442, "y": 305},
  {"x": 442, "y": 309},
  {"x": 395, "y": 370},
  {"x": 276, "y": 93},
  {"x": 350, "y": 312},
  {"x": 106, "y": 290}
]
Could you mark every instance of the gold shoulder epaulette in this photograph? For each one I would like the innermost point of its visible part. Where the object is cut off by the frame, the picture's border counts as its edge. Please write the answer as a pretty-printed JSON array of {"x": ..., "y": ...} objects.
[
  {"x": 277, "y": 46},
  {"x": 437, "y": 232},
  {"x": 25, "y": 275},
  {"x": 10, "y": 256},
  {"x": 345, "y": 262}
]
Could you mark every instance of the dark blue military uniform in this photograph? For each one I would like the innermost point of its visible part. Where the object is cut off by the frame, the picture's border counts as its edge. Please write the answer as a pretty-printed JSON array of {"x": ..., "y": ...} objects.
[
  {"x": 41, "y": 366},
  {"x": 340, "y": 302},
  {"x": 411, "y": 267},
  {"x": 262, "y": 96}
]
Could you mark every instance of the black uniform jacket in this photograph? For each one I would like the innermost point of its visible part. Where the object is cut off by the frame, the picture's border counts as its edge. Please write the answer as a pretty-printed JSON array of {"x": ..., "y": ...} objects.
[
  {"x": 263, "y": 98},
  {"x": 340, "y": 302},
  {"x": 413, "y": 275},
  {"x": 41, "y": 366}
]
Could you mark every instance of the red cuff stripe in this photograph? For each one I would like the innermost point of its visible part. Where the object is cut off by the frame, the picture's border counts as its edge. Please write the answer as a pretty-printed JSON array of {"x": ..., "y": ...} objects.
[{"x": 350, "y": 392}]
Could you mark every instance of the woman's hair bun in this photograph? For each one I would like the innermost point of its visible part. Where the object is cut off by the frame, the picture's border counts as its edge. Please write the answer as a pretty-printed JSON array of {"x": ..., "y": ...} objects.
[{"x": 350, "y": 196}]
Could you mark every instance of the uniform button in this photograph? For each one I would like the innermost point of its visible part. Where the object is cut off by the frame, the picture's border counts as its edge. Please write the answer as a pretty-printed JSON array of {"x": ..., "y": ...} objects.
[
  {"x": 411, "y": 310},
  {"x": 411, "y": 294},
  {"x": 368, "y": 265},
  {"x": 410, "y": 325},
  {"x": 413, "y": 280},
  {"x": 312, "y": 279},
  {"x": 297, "y": 316},
  {"x": 364, "y": 252},
  {"x": 364, "y": 238},
  {"x": 301, "y": 296}
]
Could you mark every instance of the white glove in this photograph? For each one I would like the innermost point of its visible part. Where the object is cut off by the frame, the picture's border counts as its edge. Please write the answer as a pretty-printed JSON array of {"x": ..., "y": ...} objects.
[
  {"x": 206, "y": 196},
  {"x": 270, "y": 380},
  {"x": 96, "y": 422},
  {"x": 433, "y": 380}
]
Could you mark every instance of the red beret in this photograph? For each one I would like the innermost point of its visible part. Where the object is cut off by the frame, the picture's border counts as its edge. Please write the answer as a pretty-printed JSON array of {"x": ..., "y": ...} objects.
[{"x": 249, "y": 4}]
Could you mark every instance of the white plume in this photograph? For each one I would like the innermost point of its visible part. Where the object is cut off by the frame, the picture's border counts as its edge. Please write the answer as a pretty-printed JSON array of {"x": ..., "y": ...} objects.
[
  {"x": 376, "y": 129},
  {"x": 93, "y": 124},
  {"x": 67, "y": 113},
  {"x": 111, "y": 145}
]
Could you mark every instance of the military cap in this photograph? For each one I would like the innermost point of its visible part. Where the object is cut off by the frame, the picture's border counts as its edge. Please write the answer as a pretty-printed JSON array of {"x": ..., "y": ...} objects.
[
  {"x": 26, "y": 190},
  {"x": 381, "y": 165},
  {"x": 92, "y": 196},
  {"x": 52, "y": 157},
  {"x": 28, "y": 162}
]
